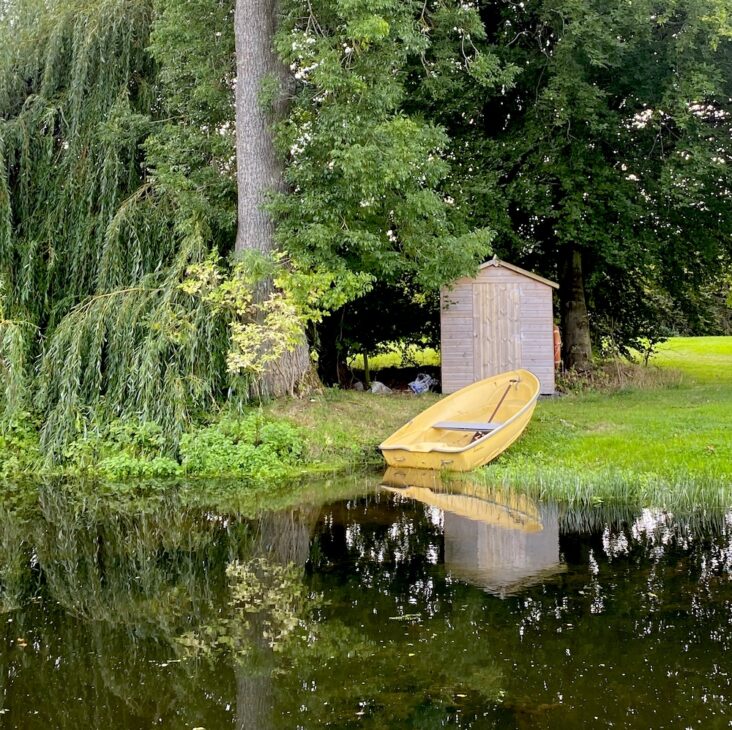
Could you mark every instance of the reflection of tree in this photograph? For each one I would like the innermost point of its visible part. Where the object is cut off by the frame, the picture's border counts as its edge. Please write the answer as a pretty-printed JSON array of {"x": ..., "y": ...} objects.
[
  {"x": 267, "y": 603},
  {"x": 281, "y": 636},
  {"x": 119, "y": 579},
  {"x": 144, "y": 569},
  {"x": 16, "y": 580},
  {"x": 143, "y": 611}
]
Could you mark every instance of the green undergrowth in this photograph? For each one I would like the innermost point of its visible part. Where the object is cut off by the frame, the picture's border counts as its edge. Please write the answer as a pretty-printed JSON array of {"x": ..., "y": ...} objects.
[
  {"x": 331, "y": 431},
  {"x": 248, "y": 446}
]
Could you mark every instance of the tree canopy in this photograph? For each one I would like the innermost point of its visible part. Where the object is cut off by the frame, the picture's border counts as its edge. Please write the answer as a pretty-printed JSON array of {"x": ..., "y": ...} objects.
[
  {"x": 612, "y": 151},
  {"x": 588, "y": 140}
]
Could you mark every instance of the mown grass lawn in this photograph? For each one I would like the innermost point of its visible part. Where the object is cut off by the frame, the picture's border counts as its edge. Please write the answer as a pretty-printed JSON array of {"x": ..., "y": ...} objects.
[{"x": 666, "y": 445}]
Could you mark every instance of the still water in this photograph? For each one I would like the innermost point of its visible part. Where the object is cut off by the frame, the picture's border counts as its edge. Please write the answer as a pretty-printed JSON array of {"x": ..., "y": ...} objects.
[{"x": 399, "y": 607}]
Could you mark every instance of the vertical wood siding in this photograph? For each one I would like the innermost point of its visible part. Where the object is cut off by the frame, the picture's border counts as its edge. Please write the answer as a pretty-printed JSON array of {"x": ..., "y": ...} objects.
[
  {"x": 498, "y": 321},
  {"x": 497, "y": 313},
  {"x": 457, "y": 336}
]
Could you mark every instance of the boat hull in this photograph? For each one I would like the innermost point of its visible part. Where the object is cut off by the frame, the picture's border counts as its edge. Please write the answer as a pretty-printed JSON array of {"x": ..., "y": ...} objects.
[{"x": 421, "y": 445}]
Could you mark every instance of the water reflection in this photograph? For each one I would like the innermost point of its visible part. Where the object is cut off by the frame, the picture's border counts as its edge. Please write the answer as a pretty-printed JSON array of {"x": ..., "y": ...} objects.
[
  {"x": 377, "y": 610},
  {"x": 497, "y": 541}
]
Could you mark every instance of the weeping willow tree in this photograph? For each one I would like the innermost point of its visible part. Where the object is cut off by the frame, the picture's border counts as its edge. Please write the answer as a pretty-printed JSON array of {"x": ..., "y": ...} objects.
[
  {"x": 106, "y": 143},
  {"x": 118, "y": 195}
]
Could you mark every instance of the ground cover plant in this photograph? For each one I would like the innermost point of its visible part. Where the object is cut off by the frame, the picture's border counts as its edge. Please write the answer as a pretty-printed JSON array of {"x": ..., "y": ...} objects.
[{"x": 333, "y": 430}]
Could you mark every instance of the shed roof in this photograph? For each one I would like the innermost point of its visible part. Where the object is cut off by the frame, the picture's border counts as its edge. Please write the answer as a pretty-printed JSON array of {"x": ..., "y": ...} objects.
[{"x": 495, "y": 261}]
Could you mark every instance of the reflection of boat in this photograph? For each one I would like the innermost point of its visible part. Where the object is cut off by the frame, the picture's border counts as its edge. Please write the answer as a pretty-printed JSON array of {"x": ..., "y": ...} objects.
[
  {"x": 465, "y": 499},
  {"x": 469, "y": 427},
  {"x": 499, "y": 542}
]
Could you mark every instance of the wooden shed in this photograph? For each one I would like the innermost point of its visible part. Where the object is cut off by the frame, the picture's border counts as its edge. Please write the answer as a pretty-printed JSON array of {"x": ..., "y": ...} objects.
[{"x": 500, "y": 320}]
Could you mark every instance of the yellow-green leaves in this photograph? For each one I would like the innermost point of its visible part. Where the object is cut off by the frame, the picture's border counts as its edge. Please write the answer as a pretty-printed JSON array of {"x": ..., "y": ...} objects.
[
  {"x": 367, "y": 29},
  {"x": 268, "y": 301}
]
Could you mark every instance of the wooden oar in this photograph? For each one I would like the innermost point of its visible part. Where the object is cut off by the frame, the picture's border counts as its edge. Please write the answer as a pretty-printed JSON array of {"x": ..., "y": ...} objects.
[{"x": 503, "y": 397}]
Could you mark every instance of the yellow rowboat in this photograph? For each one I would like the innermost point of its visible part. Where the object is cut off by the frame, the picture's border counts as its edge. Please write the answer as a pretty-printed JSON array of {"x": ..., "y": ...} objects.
[{"x": 468, "y": 428}]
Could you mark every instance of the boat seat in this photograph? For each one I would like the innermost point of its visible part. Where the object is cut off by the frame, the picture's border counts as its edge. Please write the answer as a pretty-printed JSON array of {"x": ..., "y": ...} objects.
[{"x": 467, "y": 425}]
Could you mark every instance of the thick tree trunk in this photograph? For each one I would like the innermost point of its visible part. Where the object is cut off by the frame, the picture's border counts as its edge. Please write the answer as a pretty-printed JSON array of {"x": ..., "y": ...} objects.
[
  {"x": 258, "y": 170},
  {"x": 577, "y": 347}
]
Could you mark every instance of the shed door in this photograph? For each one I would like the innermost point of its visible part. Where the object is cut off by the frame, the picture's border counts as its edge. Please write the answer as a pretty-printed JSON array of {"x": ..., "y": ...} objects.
[{"x": 497, "y": 328}]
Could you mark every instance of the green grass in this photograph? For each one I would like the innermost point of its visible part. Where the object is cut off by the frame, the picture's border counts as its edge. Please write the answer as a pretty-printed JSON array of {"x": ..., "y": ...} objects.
[
  {"x": 665, "y": 446},
  {"x": 344, "y": 427},
  {"x": 662, "y": 437},
  {"x": 396, "y": 357},
  {"x": 702, "y": 359}
]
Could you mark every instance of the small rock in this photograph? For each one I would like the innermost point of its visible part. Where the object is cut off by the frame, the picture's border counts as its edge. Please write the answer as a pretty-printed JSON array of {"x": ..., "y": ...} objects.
[
  {"x": 358, "y": 385},
  {"x": 380, "y": 388}
]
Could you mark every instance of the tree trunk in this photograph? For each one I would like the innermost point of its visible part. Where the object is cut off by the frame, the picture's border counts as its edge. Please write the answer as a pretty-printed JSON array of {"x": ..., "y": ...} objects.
[
  {"x": 258, "y": 170},
  {"x": 332, "y": 367},
  {"x": 577, "y": 347}
]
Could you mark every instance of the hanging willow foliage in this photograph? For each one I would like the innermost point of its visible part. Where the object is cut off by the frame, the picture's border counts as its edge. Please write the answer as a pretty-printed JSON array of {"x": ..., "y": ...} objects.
[
  {"x": 102, "y": 211},
  {"x": 117, "y": 177}
]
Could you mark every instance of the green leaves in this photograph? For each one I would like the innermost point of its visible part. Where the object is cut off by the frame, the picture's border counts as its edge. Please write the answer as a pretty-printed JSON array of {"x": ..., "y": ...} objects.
[
  {"x": 612, "y": 139},
  {"x": 366, "y": 29},
  {"x": 364, "y": 169}
]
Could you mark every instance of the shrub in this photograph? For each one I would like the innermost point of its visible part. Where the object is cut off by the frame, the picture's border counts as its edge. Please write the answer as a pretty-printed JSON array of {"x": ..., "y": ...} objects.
[
  {"x": 125, "y": 466},
  {"x": 246, "y": 447}
]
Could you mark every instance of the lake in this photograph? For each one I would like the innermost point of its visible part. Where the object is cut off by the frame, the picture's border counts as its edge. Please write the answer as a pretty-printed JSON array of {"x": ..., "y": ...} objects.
[{"x": 419, "y": 606}]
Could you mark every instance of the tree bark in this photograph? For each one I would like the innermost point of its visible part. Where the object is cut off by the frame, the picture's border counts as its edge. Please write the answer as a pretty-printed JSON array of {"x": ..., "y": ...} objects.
[
  {"x": 258, "y": 170},
  {"x": 577, "y": 346}
]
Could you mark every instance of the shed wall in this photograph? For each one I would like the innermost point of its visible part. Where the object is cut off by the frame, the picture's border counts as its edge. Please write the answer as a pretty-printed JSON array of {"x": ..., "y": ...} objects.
[
  {"x": 456, "y": 335},
  {"x": 500, "y": 320}
]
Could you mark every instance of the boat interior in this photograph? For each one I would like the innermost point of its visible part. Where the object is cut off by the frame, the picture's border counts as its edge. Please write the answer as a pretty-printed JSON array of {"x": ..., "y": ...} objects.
[{"x": 474, "y": 414}]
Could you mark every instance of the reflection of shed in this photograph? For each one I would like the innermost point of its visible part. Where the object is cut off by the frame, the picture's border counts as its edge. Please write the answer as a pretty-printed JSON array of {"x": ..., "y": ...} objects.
[
  {"x": 502, "y": 560},
  {"x": 500, "y": 542},
  {"x": 500, "y": 320}
]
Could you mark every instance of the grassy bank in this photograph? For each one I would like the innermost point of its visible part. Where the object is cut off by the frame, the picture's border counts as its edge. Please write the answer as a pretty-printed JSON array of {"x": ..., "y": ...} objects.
[
  {"x": 645, "y": 436},
  {"x": 270, "y": 444},
  {"x": 652, "y": 436},
  {"x": 668, "y": 443}
]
